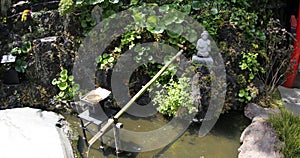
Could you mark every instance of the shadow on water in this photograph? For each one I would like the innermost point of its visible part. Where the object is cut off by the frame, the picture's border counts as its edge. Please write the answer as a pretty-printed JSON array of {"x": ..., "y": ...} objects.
[{"x": 221, "y": 142}]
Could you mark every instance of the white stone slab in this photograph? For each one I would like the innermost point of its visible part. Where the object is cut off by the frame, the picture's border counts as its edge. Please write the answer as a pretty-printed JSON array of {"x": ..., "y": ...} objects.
[{"x": 27, "y": 132}]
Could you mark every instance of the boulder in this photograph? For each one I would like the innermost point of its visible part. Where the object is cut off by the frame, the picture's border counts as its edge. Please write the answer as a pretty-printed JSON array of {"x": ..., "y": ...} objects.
[
  {"x": 252, "y": 110},
  {"x": 259, "y": 139}
]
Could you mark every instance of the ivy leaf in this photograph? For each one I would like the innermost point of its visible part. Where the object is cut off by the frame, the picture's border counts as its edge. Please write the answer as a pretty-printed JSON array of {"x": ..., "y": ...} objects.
[
  {"x": 164, "y": 8},
  {"x": 63, "y": 86},
  {"x": 134, "y": 2},
  {"x": 196, "y": 5},
  {"x": 175, "y": 29},
  {"x": 248, "y": 98},
  {"x": 214, "y": 11},
  {"x": 64, "y": 72},
  {"x": 192, "y": 36},
  {"x": 105, "y": 55},
  {"x": 61, "y": 94},
  {"x": 99, "y": 59},
  {"x": 241, "y": 93},
  {"x": 150, "y": 58},
  {"x": 180, "y": 18},
  {"x": 93, "y": 22},
  {"x": 54, "y": 81},
  {"x": 187, "y": 8},
  {"x": 251, "y": 76},
  {"x": 159, "y": 30},
  {"x": 76, "y": 87},
  {"x": 172, "y": 34},
  {"x": 64, "y": 78},
  {"x": 21, "y": 66},
  {"x": 152, "y": 21},
  {"x": 83, "y": 24},
  {"x": 138, "y": 58},
  {"x": 168, "y": 19},
  {"x": 15, "y": 51},
  {"x": 138, "y": 17},
  {"x": 26, "y": 47},
  {"x": 71, "y": 78},
  {"x": 111, "y": 59}
]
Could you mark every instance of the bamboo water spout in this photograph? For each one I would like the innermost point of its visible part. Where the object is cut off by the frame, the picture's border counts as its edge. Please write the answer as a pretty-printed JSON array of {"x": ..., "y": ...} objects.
[{"x": 111, "y": 121}]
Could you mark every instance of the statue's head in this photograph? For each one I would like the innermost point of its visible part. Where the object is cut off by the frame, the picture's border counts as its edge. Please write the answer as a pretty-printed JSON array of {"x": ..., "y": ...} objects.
[{"x": 204, "y": 35}]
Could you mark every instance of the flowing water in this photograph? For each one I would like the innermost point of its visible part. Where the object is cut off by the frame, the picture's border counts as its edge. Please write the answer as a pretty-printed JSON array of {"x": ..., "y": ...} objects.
[{"x": 221, "y": 142}]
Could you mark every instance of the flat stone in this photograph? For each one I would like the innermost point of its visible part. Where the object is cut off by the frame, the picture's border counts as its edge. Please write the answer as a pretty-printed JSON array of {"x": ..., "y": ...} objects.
[
  {"x": 27, "y": 132},
  {"x": 290, "y": 98},
  {"x": 252, "y": 110}
]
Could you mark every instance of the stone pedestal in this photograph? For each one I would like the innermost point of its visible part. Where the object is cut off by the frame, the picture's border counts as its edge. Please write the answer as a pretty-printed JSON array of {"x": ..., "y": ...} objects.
[{"x": 208, "y": 61}]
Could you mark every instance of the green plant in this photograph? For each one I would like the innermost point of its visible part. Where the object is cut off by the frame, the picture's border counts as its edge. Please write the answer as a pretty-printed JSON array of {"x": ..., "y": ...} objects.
[
  {"x": 249, "y": 62},
  {"x": 288, "y": 129},
  {"x": 245, "y": 25},
  {"x": 105, "y": 61},
  {"x": 25, "y": 48},
  {"x": 83, "y": 8},
  {"x": 21, "y": 55},
  {"x": 20, "y": 65},
  {"x": 175, "y": 100},
  {"x": 247, "y": 22},
  {"x": 68, "y": 88},
  {"x": 86, "y": 22},
  {"x": 247, "y": 94},
  {"x": 65, "y": 6},
  {"x": 127, "y": 40},
  {"x": 275, "y": 56}
]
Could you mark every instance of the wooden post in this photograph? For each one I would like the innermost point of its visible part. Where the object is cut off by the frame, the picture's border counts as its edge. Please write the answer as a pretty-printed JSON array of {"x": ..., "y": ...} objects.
[{"x": 295, "y": 57}]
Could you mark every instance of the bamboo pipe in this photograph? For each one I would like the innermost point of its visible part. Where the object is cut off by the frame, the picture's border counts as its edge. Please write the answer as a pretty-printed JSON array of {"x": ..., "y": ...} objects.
[{"x": 133, "y": 99}]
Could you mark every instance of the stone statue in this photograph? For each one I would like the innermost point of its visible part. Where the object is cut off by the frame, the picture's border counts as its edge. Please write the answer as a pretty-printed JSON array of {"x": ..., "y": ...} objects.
[
  {"x": 204, "y": 48},
  {"x": 203, "y": 45}
]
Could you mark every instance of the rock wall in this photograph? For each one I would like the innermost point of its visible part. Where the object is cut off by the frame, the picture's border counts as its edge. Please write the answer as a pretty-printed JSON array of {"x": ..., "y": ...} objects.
[
  {"x": 259, "y": 139},
  {"x": 54, "y": 47}
]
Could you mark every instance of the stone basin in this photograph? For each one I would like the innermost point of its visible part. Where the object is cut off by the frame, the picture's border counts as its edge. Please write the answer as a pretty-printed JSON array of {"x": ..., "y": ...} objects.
[{"x": 95, "y": 96}]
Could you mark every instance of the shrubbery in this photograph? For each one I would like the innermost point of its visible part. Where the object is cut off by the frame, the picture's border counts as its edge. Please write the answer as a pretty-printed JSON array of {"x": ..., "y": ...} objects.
[
  {"x": 175, "y": 99},
  {"x": 244, "y": 31}
]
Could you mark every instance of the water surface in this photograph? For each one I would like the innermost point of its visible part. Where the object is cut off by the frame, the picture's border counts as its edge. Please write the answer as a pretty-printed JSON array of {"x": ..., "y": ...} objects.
[{"x": 221, "y": 142}]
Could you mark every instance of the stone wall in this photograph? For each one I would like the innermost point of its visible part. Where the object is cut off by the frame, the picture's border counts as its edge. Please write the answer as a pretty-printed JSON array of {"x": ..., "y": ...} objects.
[{"x": 53, "y": 47}]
